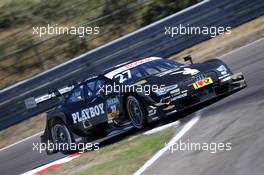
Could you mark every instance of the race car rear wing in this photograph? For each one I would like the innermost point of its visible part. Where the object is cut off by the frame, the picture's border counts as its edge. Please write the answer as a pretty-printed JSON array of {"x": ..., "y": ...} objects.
[{"x": 33, "y": 102}]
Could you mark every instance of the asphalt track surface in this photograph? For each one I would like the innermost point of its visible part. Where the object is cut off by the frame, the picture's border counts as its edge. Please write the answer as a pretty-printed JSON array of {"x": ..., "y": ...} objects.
[{"x": 237, "y": 119}]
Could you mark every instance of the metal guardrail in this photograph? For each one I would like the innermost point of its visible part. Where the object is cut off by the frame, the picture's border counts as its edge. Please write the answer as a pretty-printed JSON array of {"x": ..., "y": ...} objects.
[
  {"x": 26, "y": 50},
  {"x": 148, "y": 41}
]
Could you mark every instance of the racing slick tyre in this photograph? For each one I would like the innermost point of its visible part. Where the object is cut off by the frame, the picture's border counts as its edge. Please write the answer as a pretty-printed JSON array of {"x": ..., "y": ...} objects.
[
  {"x": 61, "y": 137},
  {"x": 136, "y": 112}
]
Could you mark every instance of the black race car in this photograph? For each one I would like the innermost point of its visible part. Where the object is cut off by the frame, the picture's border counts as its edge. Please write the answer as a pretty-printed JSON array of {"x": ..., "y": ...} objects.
[{"x": 133, "y": 94}]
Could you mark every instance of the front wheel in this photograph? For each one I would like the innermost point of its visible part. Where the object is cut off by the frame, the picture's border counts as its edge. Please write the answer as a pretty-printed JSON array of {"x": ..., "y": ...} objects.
[{"x": 136, "y": 112}]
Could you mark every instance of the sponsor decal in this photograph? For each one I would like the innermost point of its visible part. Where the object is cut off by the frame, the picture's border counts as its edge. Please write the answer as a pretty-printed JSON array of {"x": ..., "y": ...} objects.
[
  {"x": 124, "y": 76},
  {"x": 226, "y": 79},
  {"x": 175, "y": 91},
  {"x": 112, "y": 108},
  {"x": 112, "y": 115},
  {"x": 202, "y": 83},
  {"x": 112, "y": 101},
  {"x": 152, "y": 112},
  {"x": 139, "y": 62},
  {"x": 178, "y": 97},
  {"x": 187, "y": 71},
  {"x": 165, "y": 89},
  {"x": 88, "y": 113},
  {"x": 222, "y": 69},
  {"x": 223, "y": 76}
]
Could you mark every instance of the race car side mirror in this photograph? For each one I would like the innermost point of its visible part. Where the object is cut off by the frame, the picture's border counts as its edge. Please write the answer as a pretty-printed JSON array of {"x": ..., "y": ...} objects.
[{"x": 188, "y": 58}]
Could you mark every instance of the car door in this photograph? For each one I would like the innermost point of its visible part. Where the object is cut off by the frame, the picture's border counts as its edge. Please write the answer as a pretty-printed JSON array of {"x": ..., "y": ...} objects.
[
  {"x": 74, "y": 105},
  {"x": 83, "y": 107},
  {"x": 96, "y": 111},
  {"x": 104, "y": 92}
]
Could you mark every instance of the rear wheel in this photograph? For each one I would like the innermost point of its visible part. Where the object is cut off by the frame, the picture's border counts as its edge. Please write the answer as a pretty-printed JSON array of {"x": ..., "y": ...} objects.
[
  {"x": 61, "y": 137},
  {"x": 136, "y": 112}
]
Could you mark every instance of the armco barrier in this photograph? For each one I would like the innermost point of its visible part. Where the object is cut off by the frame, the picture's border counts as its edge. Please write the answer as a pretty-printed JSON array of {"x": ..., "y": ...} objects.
[{"x": 148, "y": 41}]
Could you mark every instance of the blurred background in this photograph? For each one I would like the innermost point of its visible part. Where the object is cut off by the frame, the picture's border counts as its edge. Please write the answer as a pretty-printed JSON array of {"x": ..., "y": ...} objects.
[{"x": 23, "y": 55}]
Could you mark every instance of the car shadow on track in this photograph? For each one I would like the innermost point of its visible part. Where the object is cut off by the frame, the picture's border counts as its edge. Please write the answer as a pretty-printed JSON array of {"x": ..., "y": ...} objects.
[{"x": 183, "y": 117}]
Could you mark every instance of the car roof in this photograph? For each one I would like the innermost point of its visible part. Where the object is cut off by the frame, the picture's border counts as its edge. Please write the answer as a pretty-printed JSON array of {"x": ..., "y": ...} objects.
[
  {"x": 110, "y": 69},
  {"x": 126, "y": 63}
]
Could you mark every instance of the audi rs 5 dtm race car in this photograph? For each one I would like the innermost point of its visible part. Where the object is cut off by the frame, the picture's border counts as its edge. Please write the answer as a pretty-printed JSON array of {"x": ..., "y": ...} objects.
[{"x": 133, "y": 94}]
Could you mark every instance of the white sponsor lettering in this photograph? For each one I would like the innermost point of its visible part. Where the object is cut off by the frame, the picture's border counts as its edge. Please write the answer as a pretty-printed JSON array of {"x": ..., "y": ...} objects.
[
  {"x": 88, "y": 113},
  {"x": 178, "y": 97},
  {"x": 187, "y": 71},
  {"x": 222, "y": 69}
]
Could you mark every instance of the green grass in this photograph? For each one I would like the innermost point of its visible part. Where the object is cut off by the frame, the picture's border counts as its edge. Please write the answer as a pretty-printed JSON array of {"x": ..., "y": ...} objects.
[{"x": 123, "y": 157}]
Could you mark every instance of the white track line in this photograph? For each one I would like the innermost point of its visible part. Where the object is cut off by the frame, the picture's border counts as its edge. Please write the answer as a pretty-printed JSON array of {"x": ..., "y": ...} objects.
[
  {"x": 160, "y": 128},
  {"x": 186, "y": 128},
  {"x": 20, "y": 141}
]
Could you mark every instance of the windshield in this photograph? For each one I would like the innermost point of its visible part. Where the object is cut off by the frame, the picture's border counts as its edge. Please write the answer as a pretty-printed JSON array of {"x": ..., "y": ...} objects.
[{"x": 136, "y": 71}]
